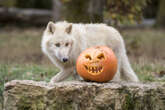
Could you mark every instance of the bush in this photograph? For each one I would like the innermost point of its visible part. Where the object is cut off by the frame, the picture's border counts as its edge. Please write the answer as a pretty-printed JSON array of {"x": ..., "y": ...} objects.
[{"x": 124, "y": 11}]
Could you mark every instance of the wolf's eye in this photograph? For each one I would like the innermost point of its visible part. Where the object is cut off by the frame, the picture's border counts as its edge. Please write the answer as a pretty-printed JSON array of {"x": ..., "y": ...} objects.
[
  {"x": 66, "y": 45},
  {"x": 57, "y": 44}
]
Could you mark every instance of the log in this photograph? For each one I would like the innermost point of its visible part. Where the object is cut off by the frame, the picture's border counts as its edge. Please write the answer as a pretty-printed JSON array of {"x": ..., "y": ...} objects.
[
  {"x": 74, "y": 95},
  {"x": 19, "y": 15}
]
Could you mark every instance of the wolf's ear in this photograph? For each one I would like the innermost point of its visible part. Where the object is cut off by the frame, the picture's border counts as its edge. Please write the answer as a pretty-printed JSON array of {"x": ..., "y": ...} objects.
[
  {"x": 51, "y": 27},
  {"x": 69, "y": 29}
]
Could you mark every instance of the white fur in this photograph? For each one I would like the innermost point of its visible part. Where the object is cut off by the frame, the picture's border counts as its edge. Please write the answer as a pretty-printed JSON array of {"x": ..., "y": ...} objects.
[{"x": 83, "y": 36}]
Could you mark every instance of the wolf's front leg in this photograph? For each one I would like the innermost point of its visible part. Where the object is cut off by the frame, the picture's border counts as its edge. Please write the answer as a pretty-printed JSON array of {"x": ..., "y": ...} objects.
[
  {"x": 76, "y": 76},
  {"x": 65, "y": 73}
]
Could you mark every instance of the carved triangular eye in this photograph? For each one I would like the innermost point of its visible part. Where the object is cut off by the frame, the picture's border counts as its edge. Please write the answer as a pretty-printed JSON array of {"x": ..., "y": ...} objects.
[
  {"x": 88, "y": 57},
  {"x": 101, "y": 56}
]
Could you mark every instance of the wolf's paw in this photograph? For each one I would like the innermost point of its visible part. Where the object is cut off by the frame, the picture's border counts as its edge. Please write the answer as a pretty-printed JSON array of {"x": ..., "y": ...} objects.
[{"x": 51, "y": 82}]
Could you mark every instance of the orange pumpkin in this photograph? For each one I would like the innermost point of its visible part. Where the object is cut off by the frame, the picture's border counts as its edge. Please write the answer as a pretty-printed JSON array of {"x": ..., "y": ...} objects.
[{"x": 97, "y": 64}]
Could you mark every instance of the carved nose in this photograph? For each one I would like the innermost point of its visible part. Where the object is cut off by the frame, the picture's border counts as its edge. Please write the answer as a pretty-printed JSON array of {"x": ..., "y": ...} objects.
[{"x": 64, "y": 59}]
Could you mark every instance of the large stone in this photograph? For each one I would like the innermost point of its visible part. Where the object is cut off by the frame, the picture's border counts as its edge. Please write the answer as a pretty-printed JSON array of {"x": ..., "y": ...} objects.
[{"x": 31, "y": 95}]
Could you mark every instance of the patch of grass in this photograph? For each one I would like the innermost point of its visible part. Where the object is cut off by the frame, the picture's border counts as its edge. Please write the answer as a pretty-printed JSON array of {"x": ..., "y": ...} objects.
[
  {"x": 149, "y": 72},
  {"x": 27, "y": 71}
]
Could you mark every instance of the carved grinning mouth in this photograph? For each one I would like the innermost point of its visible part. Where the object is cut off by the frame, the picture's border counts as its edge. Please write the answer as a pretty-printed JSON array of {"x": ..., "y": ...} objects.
[{"x": 94, "y": 70}]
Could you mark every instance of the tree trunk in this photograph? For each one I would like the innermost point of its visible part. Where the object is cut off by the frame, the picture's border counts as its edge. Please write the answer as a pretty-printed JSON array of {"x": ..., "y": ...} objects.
[
  {"x": 31, "y": 95},
  {"x": 96, "y": 10},
  {"x": 57, "y": 10},
  {"x": 161, "y": 14}
]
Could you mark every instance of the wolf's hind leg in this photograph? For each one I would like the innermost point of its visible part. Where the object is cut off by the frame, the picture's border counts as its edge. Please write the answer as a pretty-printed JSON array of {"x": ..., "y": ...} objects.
[
  {"x": 128, "y": 72},
  {"x": 117, "y": 76}
]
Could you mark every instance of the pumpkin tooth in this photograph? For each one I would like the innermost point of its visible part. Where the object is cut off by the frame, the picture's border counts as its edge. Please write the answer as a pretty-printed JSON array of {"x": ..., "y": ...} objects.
[
  {"x": 97, "y": 69},
  {"x": 93, "y": 69},
  {"x": 100, "y": 69},
  {"x": 90, "y": 68}
]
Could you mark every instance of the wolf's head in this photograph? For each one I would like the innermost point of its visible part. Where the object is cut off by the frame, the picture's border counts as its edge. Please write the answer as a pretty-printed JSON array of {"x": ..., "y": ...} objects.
[{"x": 57, "y": 41}]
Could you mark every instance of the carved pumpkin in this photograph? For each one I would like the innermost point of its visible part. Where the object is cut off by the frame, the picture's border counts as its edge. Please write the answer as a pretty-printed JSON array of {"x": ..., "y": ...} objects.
[{"x": 97, "y": 64}]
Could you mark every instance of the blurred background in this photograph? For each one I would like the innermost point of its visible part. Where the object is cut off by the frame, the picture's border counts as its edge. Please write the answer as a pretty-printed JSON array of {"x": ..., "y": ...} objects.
[{"x": 22, "y": 22}]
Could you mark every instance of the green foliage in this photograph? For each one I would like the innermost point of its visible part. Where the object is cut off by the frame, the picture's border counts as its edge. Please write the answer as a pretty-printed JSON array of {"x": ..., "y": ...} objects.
[
  {"x": 8, "y": 3},
  {"x": 124, "y": 11}
]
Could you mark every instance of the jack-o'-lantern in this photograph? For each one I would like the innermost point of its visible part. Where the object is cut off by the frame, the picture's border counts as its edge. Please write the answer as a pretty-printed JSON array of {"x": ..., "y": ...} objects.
[{"x": 97, "y": 64}]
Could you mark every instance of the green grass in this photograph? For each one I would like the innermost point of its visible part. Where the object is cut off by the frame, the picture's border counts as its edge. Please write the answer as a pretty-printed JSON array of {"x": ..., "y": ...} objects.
[
  {"x": 29, "y": 72},
  {"x": 149, "y": 72}
]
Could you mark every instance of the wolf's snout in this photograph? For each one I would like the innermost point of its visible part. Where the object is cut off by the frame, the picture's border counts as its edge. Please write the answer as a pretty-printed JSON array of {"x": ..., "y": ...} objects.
[{"x": 64, "y": 59}]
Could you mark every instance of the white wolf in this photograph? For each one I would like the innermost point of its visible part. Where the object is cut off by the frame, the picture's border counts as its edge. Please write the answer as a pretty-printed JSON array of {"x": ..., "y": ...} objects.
[{"x": 62, "y": 42}]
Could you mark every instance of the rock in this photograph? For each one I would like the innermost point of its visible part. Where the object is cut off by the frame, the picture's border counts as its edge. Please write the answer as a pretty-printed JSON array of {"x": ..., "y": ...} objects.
[{"x": 31, "y": 95}]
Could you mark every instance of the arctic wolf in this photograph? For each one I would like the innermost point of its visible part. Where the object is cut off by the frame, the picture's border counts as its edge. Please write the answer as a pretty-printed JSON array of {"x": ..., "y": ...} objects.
[{"x": 62, "y": 42}]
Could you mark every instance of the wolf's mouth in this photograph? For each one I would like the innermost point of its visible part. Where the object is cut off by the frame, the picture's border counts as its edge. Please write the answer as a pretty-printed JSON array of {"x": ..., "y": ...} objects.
[{"x": 94, "y": 70}]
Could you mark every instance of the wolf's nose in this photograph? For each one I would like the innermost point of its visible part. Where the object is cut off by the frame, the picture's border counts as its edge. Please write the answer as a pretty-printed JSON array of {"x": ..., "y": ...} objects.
[{"x": 65, "y": 59}]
